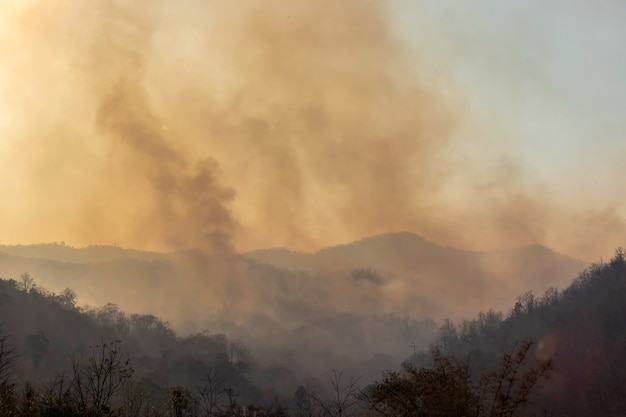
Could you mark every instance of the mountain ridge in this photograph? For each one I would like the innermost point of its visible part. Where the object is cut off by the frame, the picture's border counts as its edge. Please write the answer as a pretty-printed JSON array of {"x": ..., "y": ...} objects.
[
  {"x": 400, "y": 273},
  {"x": 98, "y": 253}
]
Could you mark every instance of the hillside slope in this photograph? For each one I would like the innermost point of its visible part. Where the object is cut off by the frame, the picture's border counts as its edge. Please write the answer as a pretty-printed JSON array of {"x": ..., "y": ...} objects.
[
  {"x": 344, "y": 305},
  {"x": 462, "y": 282}
]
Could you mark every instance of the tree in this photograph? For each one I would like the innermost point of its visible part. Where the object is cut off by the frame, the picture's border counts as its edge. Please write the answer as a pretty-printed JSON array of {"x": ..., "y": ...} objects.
[
  {"x": 36, "y": 346},
  {"x": 212, "y": 392},
  {"x": 111, "y": 316},
  {"x": 448, "y": 336},
  {"x": 504, "y": 391},
  {"x": 27, "y": 282},
  {"x": 447, "y": 389},
  {"x": 8, "y": 358},
  {"x": 67, "y": 299},
  {"x": 56, "y": 397},
  {"x": 442, "y": 390},
  {"x": 101, "y": 378},
  {"x": 181, "y": 403},
  {"x": 302, "y": 400},
  {"x": 342, "y": 398}
]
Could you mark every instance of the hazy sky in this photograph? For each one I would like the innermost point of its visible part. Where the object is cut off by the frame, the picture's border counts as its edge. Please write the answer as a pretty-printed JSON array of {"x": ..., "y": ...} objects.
[
  {"x": 551, "y": 73},
  {"x": 167, "y": 125}
]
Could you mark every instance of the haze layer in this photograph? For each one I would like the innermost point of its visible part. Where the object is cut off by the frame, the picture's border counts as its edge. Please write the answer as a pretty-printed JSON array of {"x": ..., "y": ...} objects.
[{"x": 205, "y": 124}]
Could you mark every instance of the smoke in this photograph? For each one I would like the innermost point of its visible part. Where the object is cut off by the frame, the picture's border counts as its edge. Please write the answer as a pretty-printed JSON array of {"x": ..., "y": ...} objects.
[
  {"x": 200, "y": 124},
  {"x": 188, "y": 204},
  {"x": 227, "y": 126},
  {"x": 150, "y": 118},
  {"x": 136, "y": 177}
]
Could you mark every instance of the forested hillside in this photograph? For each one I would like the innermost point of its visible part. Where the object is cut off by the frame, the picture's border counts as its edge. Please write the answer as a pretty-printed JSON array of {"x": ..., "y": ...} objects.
[
  {"x": 556, "y": 354},
  {"x": 48, "y": 341},
  {"x": 356, "y": 306},
  {"x": 580, "y": 331}
]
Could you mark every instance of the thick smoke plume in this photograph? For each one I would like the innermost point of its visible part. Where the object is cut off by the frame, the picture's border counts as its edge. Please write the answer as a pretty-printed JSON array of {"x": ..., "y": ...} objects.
[
  {"x": 229, "y": 126},
  {"x": 310, "y": 113}
]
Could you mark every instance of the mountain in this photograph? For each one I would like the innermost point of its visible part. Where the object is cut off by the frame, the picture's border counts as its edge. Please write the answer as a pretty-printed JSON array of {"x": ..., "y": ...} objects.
[
  {"x": 348, "y": 305},
  {"x": 62, "y": 253},
  {"x": 578, "y": 330},
  {"x": 398, "y": 273},
  {"x": 462, "y": 282}
]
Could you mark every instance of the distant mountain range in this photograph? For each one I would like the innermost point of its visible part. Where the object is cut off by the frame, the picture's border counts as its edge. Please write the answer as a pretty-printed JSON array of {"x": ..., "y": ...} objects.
[
  {"x": 404, "y": 272},
  {"x": 63, "y": 253},
  {"x": 358, "y": 300}
]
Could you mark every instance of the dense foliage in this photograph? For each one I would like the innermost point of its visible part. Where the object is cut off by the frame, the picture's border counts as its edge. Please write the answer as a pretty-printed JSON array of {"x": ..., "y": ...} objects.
[{"x": 580, "y": 330}]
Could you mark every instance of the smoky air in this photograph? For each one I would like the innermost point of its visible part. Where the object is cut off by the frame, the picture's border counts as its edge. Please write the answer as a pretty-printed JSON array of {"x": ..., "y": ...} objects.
[{"x": 347, "y": 208}]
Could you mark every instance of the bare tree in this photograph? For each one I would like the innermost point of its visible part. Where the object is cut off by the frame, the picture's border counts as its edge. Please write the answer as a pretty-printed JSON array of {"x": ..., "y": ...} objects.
[
  {"x": 134, "y": 400},
  {"x": 56, "y": 397},
  {"x": 101, "y": 378},
  {"x": 8, "y": 358},
  {"x": 212, "y": 392},
  {"x": 343, "y": 396},
  {"x": 504, "y": 391}
]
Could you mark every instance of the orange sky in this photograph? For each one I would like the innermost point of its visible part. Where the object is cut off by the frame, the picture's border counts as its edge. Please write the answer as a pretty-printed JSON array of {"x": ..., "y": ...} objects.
[{"x": 169, "y": 125}]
